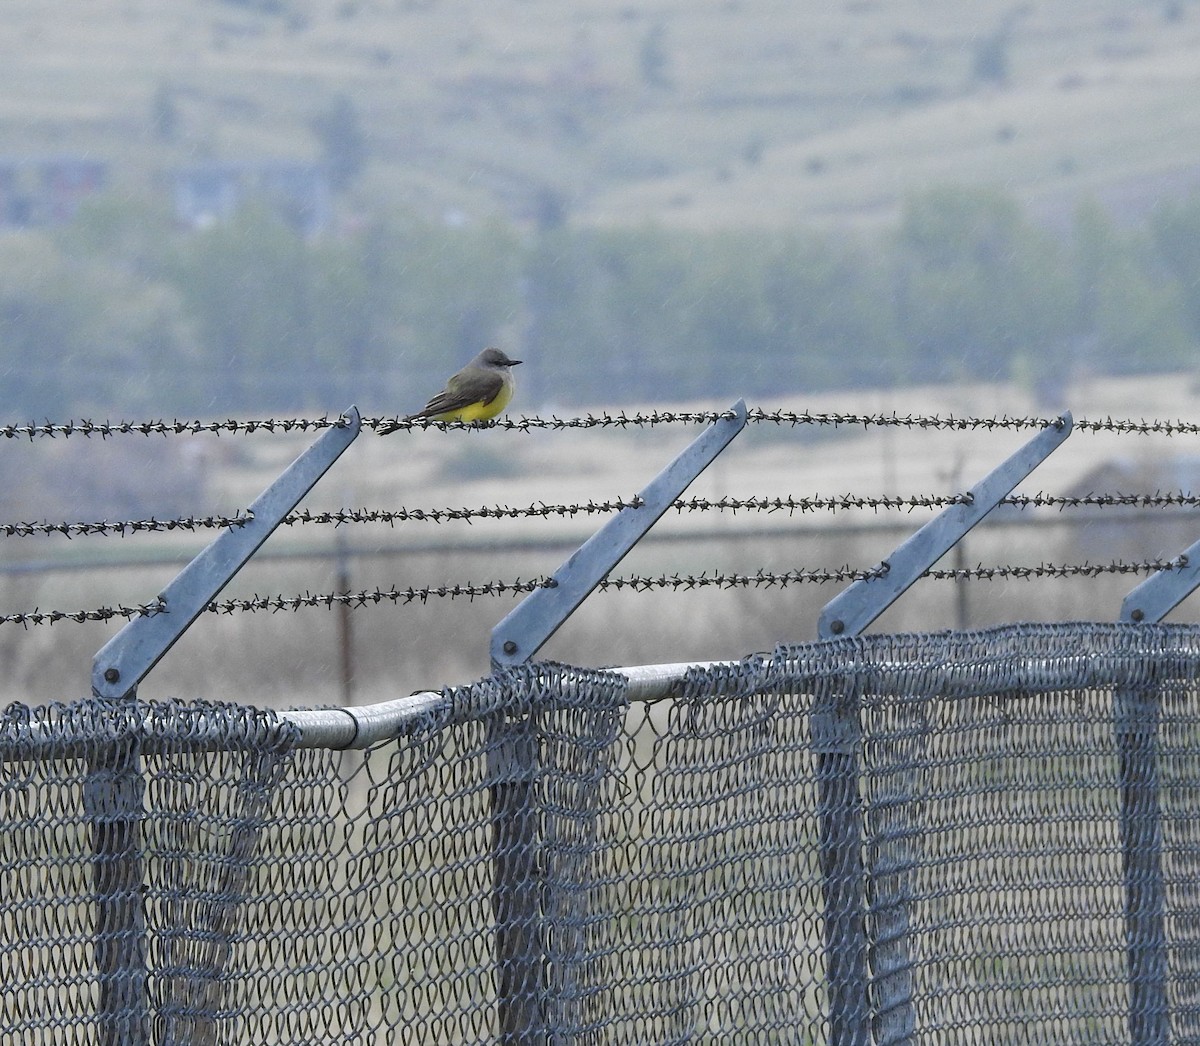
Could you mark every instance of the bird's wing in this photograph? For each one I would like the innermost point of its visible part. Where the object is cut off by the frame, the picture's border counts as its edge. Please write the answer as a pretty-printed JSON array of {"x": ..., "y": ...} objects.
[{"x": 463, "y": 389}]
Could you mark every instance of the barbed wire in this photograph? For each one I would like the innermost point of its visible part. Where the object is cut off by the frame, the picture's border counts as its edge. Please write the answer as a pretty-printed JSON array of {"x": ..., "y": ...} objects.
[
  {"x": 121, "y": 528},
  {"x": 621, "y": 420},
  {"x": 52, "y": 617},
  {"x": 758, "y": 415},
  {"x": 542, "y": 510},
  {"x": 175, "y": 427},
  {"x": 635, "y": 583},
  {"x": 951, "y": 422}
]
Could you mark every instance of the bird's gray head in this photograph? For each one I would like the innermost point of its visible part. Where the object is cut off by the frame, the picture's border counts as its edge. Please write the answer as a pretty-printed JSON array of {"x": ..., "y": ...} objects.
[{"x": 495, "y": 358}]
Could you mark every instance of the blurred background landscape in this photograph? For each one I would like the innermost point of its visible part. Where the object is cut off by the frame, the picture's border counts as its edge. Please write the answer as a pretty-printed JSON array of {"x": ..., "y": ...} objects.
[
  {"x": 246, "y": 208},
  {"x": 264, "y": 205}
]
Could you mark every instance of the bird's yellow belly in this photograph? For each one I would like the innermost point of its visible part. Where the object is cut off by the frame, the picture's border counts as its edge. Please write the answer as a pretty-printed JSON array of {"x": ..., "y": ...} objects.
[{"x": 479, "y": 411}]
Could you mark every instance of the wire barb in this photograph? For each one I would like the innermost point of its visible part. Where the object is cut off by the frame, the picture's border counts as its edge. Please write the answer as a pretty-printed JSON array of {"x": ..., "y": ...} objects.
[
  {"x": 52, "y": 617},
  {"x": 121, "y": 528},
  {"x": 106, "y": 429}
]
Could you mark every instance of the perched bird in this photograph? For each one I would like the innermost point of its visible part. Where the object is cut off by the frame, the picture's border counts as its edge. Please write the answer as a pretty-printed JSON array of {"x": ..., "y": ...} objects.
[{"x": 479, "y": 391}]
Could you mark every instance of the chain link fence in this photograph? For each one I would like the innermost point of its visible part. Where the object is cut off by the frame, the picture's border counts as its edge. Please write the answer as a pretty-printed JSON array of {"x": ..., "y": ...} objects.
[{"x": 960, "y": 837}]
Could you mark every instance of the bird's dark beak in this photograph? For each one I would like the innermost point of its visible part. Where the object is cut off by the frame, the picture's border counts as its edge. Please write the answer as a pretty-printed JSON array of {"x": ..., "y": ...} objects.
[{"x": 513, "y": 363}]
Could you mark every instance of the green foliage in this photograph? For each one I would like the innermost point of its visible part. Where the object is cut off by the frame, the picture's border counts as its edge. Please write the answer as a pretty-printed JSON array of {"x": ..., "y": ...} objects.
[
  {"x": 121, "y": 313},
  {"x": 830, "y": 319},
  {"x": 453, "y": 290},
  {"x": 77, "y": 335},
  {"x": 976, "y": 285},
  {"x": 1175, "y": 238},
  {"x": 164, "y": 114},
  {"x": 342, "y": 140},
  {"x": 1134, "y": 314},
  {"x": 989, "y": 61},
  {"x": 653, "y": 58},
  {"x": 611, "y": 312},
  {"x": 246, "y": 286}
]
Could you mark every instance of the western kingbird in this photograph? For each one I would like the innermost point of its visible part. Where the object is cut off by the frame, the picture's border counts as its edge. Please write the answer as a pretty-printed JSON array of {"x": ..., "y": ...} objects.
[{"x": 479, "y": 391}]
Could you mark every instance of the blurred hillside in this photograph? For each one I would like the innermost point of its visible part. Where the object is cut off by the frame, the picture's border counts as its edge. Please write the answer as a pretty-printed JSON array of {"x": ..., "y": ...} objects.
[{"x": 709, "y": 114}]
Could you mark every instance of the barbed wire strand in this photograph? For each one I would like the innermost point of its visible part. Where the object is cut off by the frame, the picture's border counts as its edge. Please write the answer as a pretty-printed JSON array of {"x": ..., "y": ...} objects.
[
  {"x": 541, "y": 510},
  {"x": 636, "y": 583},
  {"x": 621, "y": 420}
]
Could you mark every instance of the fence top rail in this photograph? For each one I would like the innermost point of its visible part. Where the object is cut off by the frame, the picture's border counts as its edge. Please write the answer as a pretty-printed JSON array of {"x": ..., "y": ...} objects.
[
  {"x": 1012, "y": 661},
  {"x": 971, "y": 664},
  {"x": 361, "y": 726}
]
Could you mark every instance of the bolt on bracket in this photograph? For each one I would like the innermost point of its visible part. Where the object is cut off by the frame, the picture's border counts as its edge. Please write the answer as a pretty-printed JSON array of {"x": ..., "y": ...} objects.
[{"x": 1153, "y": 599}]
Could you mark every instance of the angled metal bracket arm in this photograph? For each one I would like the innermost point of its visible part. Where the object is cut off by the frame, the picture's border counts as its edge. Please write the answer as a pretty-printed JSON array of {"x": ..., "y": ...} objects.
[
  {"x": 853, "y": 609},
  {"x": 536, "y": 618},
  {"x": 125, "y": 659},
  {"x": 1153, "y": 599}
]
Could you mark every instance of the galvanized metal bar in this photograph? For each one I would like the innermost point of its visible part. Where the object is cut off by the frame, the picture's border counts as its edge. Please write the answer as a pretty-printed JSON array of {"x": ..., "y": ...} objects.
[
  {"x": 345, "y": 618},
  {"x": 113, "y": 790},
  {"x": 536, "y": 618},
  {"x": 513, "y": 761},
  {"x": 880, "y": 1003},
  {"x": 114, "y": 786},
  {"x": 853, "y": 609},
  {"x": 895, "y": 840},
  {"x": 1163, "y": 591},
  {"x": 1136, "y": 715},
  {"x": 836, "y": 739},
  {"x": 124, "y": 660},
  {"x": 364, "y": 726},
  {"x": 520, "y": 943},
  {"x": 1136, "y": 722}
]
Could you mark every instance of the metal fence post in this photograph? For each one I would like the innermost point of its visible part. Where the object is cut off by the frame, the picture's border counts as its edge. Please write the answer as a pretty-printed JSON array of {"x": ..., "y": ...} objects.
[
  {"x": 837, "y": 736},
  {"x": 513, "y": 761},
  {"x": 1136, "y": 715},
  {"x": 1136, "y": 726},
  {"x": 516, "y": 885},
  {"x": 112, "y": 797},
  {"x": 114, "y": 787}
]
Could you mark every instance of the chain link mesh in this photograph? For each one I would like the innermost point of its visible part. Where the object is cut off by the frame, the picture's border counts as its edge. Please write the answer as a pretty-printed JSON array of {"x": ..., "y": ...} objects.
[{"x": 950, "y": 837}]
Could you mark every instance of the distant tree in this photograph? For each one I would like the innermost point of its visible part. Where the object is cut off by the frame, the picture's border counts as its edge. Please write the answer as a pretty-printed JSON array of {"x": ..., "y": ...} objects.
[
  {"x": 752, "y": 151},
  {"x": 164, "y": 114},
  {"x": 830, "y": 313},
  {"x": 1132, "y": 313},
  {"x": 441, "y": 294},
  {"x": 653, "y": 59},
  {"x": 976, "y": 285},
  {"x": 122, "y": 230},
  {"x": 343, "y": 143},
  {"x": 613, "y": 314},
  {"x": 1175, "y": 235},
  {"x": 246, "y": 286},
  {"x": 270, "y": 7},
  {"x": 79, "y": 335},
  {"x": 990, "y": 61},
  {"x": 550, "y": 208}
]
